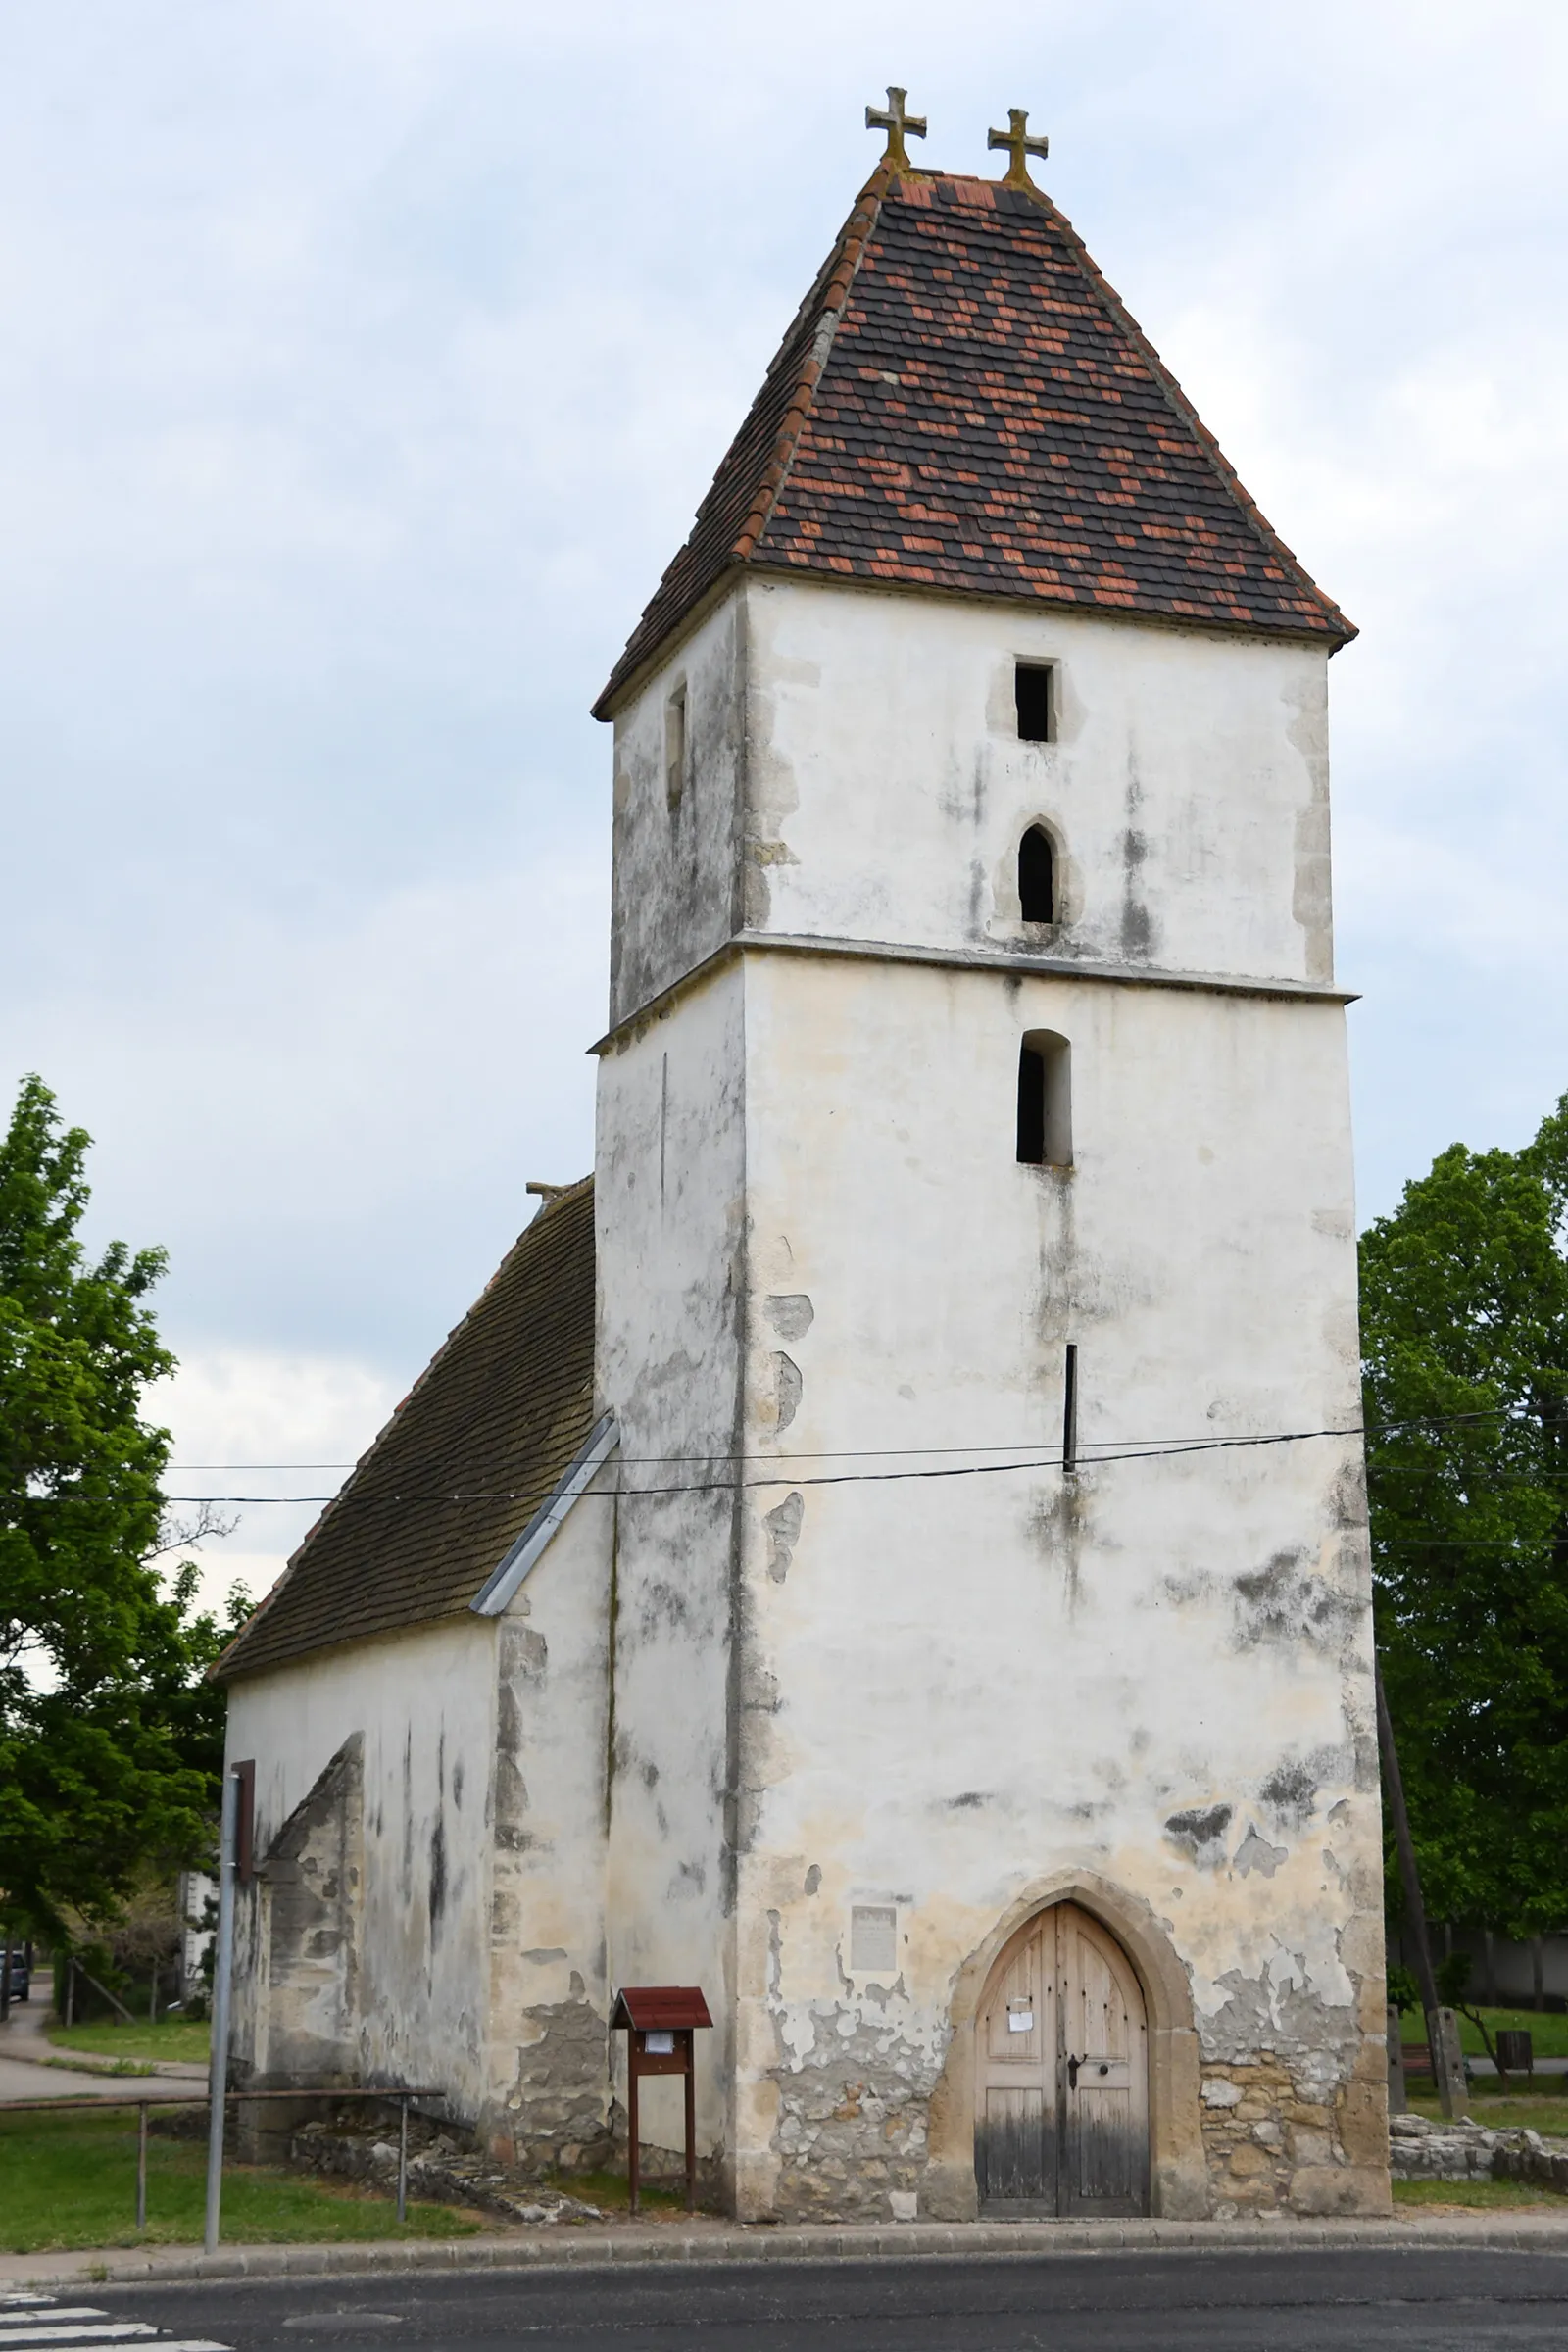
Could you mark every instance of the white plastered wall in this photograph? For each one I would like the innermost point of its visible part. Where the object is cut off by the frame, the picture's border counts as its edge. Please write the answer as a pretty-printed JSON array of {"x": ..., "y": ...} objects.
[
  {"x": 669, "y": 1191},
  {"x": 888, "y": 788},
  {"x": 478, "y": 1937},
  {"x": 987, "y": 1679}
]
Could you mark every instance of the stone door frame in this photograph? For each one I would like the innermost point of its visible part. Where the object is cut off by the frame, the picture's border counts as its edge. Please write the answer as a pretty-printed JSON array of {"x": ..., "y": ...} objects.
[{"x": 1178, "y": 2176}]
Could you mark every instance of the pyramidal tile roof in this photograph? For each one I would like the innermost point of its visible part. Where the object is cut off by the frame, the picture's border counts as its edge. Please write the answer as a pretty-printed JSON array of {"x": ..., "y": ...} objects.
[
  {"x": 479, "y": 1442},
  {"x": 963, "y": 404}
]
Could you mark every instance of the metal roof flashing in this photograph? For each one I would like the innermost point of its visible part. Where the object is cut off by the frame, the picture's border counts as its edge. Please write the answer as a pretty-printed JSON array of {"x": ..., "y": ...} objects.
[{"x": 505, "y": 1579}]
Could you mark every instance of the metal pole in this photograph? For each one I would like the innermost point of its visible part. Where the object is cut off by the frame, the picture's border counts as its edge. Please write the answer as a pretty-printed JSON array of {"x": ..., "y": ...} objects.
[
  {"x": 5, "y": 1989},
  {"x": 141, "y": 2166},
  {"x": 222, "y": 1970},
  {"x": 633, "y": 2127},
  {"x": 403, "y": 2160}
]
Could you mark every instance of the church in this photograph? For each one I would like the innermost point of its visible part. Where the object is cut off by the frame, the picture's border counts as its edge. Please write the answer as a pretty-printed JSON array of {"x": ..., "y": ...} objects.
[{"x": 888, "y": 1548}]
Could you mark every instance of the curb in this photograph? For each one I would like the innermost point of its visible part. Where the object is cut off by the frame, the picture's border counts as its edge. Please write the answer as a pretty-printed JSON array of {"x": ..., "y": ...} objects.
[{"x": 732, "y": 2245}]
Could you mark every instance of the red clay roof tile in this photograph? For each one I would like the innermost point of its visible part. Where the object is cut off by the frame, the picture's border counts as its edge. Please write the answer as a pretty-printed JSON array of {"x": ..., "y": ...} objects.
[{"x": 912, "y": 391}]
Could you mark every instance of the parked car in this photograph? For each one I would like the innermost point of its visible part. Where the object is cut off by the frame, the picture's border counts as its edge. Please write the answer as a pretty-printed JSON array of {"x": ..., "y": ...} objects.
[{"x": 21, "y": 1974}]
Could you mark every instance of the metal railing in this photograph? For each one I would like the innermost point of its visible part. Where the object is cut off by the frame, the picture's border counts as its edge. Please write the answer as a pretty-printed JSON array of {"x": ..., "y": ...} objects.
[{"x": 88, "y": 2103}]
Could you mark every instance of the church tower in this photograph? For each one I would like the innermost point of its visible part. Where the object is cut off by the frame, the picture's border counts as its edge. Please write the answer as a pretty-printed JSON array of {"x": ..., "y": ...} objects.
[{"x": 991, "y": 1714}]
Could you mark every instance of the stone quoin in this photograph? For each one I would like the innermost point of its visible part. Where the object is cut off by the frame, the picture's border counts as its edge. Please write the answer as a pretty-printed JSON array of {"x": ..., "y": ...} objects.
[{"x": 890, "y": 1548}]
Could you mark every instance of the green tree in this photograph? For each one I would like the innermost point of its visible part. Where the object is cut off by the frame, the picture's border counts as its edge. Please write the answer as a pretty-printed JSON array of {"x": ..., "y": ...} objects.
[
  {"x": 1465, "y": 1338},
  {"x": 110, "y": 1740}
]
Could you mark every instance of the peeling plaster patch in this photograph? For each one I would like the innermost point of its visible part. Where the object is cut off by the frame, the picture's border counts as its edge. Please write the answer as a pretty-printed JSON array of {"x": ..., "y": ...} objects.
[
  {"x": 541, "y": 1953},
  {"x": 1200, "y": 1833},
  {"x": 970, "y": 1798},
  {"x": 783, "y": 1524},
  {"x": 1285, "y": 1602},
  {"x": 791, "y": 1313},
  {"x": 561, "y": 2089},
  {"x": 788, "y": 1384},
  {"x": 1279, "y": 2009},
  {"x": 1255, "y": 1853},
  {"x": 853, "y": 2094},
  {"x": 813, "y": 1878}
]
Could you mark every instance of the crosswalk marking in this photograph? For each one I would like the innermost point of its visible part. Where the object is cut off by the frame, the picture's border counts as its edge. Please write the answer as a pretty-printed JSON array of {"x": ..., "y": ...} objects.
[
  {"x": 38, "y": 2319},
  {"x": 115, "y": 2332},
  {"x": 76, "y": 2310}
]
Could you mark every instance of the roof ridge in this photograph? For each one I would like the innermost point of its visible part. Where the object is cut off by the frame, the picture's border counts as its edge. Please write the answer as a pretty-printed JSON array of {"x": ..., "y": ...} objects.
[{"x": 850, "y": 251}]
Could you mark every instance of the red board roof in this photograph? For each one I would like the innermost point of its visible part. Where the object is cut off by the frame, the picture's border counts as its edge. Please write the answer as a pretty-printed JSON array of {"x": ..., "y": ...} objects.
[
  {"x": 964, "y": 404},
  {"x": 655, "y": 2008}
]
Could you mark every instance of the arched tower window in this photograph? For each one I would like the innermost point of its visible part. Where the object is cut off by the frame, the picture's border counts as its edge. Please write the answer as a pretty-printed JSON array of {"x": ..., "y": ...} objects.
[
  {"x": 1045, "y": 1100},
  {"x": 1036, "y": 877}
]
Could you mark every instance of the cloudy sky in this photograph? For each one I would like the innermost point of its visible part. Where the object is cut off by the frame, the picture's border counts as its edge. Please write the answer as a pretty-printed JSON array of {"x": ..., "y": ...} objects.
[{"x": 362, "y": 362}]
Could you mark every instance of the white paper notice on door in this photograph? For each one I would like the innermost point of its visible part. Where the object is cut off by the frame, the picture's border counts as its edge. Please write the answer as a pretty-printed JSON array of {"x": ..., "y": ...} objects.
[{"x": 1020, "y": 2017}]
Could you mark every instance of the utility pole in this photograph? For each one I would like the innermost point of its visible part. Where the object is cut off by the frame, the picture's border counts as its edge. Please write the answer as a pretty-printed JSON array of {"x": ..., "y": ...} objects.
[{"x": 1442, "y": 2026}]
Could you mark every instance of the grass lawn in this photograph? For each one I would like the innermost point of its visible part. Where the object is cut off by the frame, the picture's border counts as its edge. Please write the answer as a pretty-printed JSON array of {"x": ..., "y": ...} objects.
[
  {"x": 1473, "y": 2192},
  {"x": 69, "y": 2179},
  {"x": 1547, "y": 2030},
  {"x": 171, "y": 2037}
]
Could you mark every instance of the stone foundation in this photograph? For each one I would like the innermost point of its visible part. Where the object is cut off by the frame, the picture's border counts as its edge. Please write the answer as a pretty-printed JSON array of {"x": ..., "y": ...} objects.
[{"x": 1272, "y": 2148}]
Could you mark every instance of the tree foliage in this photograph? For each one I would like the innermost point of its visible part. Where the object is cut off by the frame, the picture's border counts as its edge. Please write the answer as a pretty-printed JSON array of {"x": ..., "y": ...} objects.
[
  {"x": 110, "y": 1740},
  {"x": 1466, "y": 1336}
]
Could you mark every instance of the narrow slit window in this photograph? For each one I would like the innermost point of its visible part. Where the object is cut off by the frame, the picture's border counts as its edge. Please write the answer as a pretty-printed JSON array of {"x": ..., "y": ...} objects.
[
  {"x": 1036, "y": 877},
  {"x": 1069, "y": 1412},
  {"x": 675, "y": 747},
  {"x": 1045, "y": 1100},
  {"x": 1034, "y": 685}
]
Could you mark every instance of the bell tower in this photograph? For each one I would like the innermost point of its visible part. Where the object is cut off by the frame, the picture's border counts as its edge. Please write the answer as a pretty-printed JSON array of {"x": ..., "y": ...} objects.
[{"x": 992, "y": 1633}]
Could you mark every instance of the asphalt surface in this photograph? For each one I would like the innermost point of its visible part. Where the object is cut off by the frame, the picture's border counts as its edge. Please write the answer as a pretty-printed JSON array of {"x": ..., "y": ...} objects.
[{"x": 1314, "y": 2301}]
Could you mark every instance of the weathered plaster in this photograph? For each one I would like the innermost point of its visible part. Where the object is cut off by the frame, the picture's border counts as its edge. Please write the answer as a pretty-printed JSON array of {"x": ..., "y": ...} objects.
[
  {"x": 428, "y": 1904},
  {"x": 946, "y": 1693}
]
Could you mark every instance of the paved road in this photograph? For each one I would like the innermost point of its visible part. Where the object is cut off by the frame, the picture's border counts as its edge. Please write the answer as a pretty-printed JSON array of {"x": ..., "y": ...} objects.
[{"x": 1350, "y": 2301}]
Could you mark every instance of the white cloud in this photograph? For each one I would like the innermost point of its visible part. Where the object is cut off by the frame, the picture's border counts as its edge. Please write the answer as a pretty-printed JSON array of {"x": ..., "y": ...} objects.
[
  {"x": 364, "y": 360},
  {"x": 250, "y": 1422}
]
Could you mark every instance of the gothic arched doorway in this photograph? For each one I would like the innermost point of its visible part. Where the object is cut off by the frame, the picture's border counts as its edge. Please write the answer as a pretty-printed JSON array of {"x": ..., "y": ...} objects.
[{"x": 1062, "y": 2072}]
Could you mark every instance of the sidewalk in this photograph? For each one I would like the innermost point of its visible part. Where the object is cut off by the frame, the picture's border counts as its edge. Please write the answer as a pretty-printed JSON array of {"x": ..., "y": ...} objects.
[
  {"x": 27, "y": 2068},
  {"x": 715, "y": 2242}
]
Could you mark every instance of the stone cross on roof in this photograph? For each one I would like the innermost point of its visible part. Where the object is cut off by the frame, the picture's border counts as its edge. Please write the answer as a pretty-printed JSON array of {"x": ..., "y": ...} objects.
[
  {"x": 895, "y": 122},
  {"x": 1018, "y": 145}
]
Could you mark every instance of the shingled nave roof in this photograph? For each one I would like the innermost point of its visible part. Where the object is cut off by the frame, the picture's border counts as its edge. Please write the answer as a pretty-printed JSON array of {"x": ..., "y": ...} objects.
[
  {"x": 479, "y": 1442},
  {"x": 963, "y": 404}
]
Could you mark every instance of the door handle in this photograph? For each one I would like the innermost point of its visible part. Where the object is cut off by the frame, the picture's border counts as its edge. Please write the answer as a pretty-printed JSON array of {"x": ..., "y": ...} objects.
[{"x": 1072, "y": 2074}]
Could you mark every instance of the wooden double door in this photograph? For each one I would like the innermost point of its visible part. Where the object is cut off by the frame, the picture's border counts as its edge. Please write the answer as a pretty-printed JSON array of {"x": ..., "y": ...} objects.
[{"x": 1061, "y": 2090}]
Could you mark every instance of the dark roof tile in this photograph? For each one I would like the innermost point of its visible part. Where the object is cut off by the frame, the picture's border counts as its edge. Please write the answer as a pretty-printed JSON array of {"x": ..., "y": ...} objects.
[
  {"x": 958, "y": 386},
  {"x": 479, "y": 1442}
]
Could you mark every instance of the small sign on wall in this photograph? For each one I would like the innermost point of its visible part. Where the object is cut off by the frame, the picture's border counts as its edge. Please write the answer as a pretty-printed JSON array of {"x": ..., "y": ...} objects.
[
  {"x": 873, "y": 1940},
  {"x": 1020, "y": 2017}
]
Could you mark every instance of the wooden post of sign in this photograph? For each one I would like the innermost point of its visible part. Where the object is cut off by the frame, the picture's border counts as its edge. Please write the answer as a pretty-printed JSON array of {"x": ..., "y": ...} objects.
[{"x": 659, "y": 2023}]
